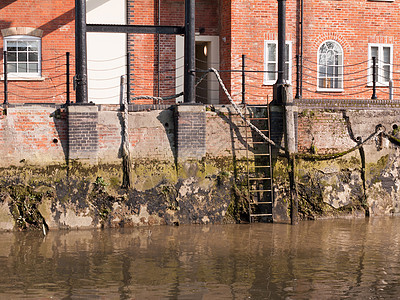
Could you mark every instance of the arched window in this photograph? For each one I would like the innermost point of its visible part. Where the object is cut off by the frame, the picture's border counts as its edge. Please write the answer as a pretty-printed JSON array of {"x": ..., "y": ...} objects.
[{"x": 330, "y": 66}]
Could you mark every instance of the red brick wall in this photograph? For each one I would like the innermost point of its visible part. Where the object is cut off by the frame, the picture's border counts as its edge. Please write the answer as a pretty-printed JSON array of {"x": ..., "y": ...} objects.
[
  {"x": 56, "y": 19},
  {"x": 242, "y": 25},
  {"x": 324, "y": 131},
  {"x": 144, "y": 48},
  {"x": 33, "y": 134},
  {"x": 353, "y": 24}
]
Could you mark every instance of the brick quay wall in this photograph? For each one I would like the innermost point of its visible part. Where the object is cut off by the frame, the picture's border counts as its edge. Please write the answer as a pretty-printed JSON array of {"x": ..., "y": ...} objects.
[{"x": 188, "y": 164}]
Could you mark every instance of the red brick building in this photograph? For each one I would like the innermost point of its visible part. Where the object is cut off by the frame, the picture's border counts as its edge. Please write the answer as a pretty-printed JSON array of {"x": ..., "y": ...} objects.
[
  {"x": 339, "y": 40},
  {"x": 37, "y": 35}
]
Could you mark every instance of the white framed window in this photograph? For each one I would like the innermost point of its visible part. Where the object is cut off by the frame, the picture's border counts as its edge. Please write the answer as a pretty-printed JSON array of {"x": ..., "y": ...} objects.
[
  {"x": 384, "y": 63},
  {"x": 271, "y": 62},
  {"x": 23, "y": 56},
  {"x": 330, "y": 67}
]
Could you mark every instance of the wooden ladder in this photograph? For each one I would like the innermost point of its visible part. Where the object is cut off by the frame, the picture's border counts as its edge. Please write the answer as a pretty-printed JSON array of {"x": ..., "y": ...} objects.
[{"x": 259, "y": 164}]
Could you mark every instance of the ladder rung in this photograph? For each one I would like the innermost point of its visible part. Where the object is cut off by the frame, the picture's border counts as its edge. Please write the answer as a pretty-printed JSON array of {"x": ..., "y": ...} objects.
[
  {"x": 257, "y": 203},
  {"x": 250, "y": 129},
  {"x": 261, "y": 154},
  {"x": 256, "y": 191},
  {"x": 260, "y": 215},
  {"x": 258, "y": 167},
  {"x": 265, "y": 130},
  {"x": 257, "y": 118},
  {"x": 259, "y": 178}
]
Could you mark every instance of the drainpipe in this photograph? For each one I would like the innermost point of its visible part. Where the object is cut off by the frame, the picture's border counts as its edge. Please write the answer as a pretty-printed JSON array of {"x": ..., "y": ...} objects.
[
  {"x": 80, "y": 52},
  {"x": 301, "y": 48},
  {"x": 299, "y": 56},
  {"x": 158, "y": 48},
  {"x": 190, "y": 75}
]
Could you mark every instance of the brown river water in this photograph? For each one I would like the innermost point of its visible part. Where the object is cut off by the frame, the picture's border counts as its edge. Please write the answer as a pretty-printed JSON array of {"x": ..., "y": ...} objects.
[{"x": 326, "y": 259}]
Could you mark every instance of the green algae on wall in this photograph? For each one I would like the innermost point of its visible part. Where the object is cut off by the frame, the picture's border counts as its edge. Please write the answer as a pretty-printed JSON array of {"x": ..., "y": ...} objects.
[
  {"x": 328, "y": 188},
  {"x": 91, "y": 197}
]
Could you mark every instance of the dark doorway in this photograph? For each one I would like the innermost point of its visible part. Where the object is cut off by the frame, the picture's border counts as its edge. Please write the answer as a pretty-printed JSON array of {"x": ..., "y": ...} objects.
[{"x": 202, "y": 63}]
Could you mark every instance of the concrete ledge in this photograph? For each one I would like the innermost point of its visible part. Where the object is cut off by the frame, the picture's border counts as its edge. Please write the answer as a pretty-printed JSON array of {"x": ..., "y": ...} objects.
[
  {"x": 191, "y": 108},
  {"x": 82, "y": 108}
]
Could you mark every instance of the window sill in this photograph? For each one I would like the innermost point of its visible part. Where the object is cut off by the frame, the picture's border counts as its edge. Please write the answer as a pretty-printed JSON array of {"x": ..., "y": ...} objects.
[
  {"x": 378, "y": 85},
  {"x": 268, "y": 83},
  {"x": 12, "y": 78},
  {"x": 273, "y": 83},
  {"x": 330, "y": 90}
]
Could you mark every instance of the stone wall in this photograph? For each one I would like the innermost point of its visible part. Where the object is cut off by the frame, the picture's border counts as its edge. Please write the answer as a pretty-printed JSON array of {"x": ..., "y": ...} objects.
[
  {"x": 362, "y": 182},
  {"x": 64, "y": 167},
  {"x": 47, "y": 180}
]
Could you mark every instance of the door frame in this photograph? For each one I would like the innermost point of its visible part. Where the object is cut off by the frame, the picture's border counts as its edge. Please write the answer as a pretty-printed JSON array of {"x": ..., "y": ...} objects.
[{"x": 212, "y": 61}]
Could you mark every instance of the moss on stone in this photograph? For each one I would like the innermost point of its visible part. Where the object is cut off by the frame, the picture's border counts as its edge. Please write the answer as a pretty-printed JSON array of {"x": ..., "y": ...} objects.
[
  {"x": 24, "y": 207},
  {"x": 374, "y": 170}
]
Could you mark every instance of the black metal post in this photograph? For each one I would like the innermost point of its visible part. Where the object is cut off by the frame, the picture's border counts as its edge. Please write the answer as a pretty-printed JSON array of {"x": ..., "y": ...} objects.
[
  {"x": 243, "y": 79},
  {"x": 279, "y": 85},
  {"x": 374, "y": 78},
  {"x": 190, "y": 46},
  {"x": 300, "y": 82},
  {"x": 5, "y": 78},
  {"x": 67, "y": 80},
  {"x": 80, "y": 52},
  {"x": 128, "y": 77},
  {"x": 281, "y": 40},
  {"x": 298, "y": 93}
]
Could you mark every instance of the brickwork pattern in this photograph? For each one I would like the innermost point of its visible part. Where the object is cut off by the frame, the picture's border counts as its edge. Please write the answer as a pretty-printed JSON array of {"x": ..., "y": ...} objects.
[
  {"x": 354, "y": 26},
  {"x": 242, "y": 26},
  {"x": 190, "y": 133},
  {"x": 149, "y": 55},
  {"x": 324, "y": 131},
  {"x": 151, "y": 134},
  {"x": 56, "y": 19},
  {"x": 83, "y": 134},
  {"x": 38, "y": 134},
  {"x": 33, "y": 135}
]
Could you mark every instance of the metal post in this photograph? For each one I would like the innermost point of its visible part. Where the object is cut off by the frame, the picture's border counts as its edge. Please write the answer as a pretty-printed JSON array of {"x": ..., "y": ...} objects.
[
  {"x": 279, "y": 85},
  {"x": 190, "y": 46},
  {"x": 301, "y": 48},
  {"x": 298, "y": 94},
  {"x": 291, "y": 149},
  {"x": 374, "y": 78},
  {"x": 128, "y": 77},
  {"x": 80, "y": 52},
  {"x": 5, "y": 78},
  {"x": 390, "y": 89},
  {"x": 67, "y": 81},
  {"x": 281, "y": 40},
  {"x": 243, "y": 79}
]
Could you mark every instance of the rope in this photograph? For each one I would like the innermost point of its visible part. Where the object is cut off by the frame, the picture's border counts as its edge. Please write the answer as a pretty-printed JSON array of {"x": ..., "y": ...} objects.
[
  {"x": 157, "y": 98},
  {"x": 378, "y": 129},
  {"x": 240, "y": 113}
]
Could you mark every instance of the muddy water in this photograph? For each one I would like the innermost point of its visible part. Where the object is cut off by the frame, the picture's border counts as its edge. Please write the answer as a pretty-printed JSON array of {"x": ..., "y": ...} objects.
[{"x": 315, "y": 260}]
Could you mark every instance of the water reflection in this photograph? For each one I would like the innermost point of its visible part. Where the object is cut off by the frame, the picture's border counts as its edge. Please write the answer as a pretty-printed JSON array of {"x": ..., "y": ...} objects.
[{"x": 317, "y": 260}]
